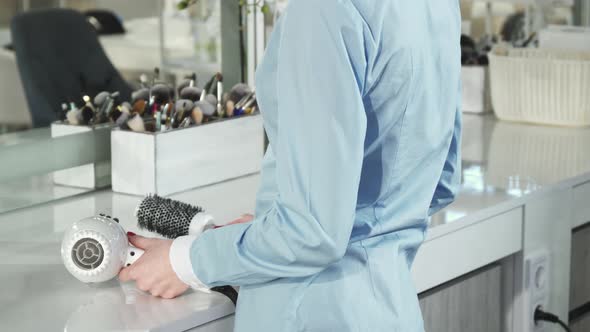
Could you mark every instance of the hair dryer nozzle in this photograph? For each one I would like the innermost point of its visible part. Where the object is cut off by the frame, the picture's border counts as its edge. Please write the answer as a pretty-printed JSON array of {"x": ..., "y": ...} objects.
[{"x": 95, "y": 249}]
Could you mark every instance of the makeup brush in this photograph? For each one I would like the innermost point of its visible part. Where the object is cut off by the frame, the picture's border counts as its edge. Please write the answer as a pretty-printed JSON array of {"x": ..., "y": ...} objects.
[
  {"x": 158, "y": 120},
  {"x": 197, "y": 116},
  {"x": 186, "y": 122},
  {"x": 171, "y": 91},
  {"x": 104, "y": 111},
  {"x": 100, "y": 98},
  {"x": 139, "y": 107},
  {"x": 181, "y": 86},
  {"x": 62, "y": 113},
  {"x": 220, "y": 110},
  {"x": 249, "y": 107},
  {"x": 192, "y": 93},
  {"x": 116, "y": 113},
  {"x": 245, "y": 99},
  {"x": 150, "y": 125},
  {"x": 151, "y": 106},
  {"x": 178, "y": 118},
  {"x": 184, "y": 104},
  {"x": 122, "y": 119},
  {"x": 86, "y": 101},
  {"x": 156, "y": 75},
  {"x": 211, "y": 99},
  {"x": 169, "y": 115},
  {"x": 143, "y": 81},
  {"x": 190, "y": 80},
  {"x": 243, "y": 105},
  {"x": 164, "y": 118},
  {"x": 238, "y": 92},
  {"x": 209, "y": 87},
  {"x": 136, "y": 124},
  {"x": 229, "y": 108},
  {"x": 161, "y": 93},
  {"x": 88, "y": 111},
  {"x": 171, "y": 218},
  {"x": 74, "y": 116},
  {"x": 141, "y": 94},
  {"x": 88, "y": 114},
  {"x": 206, "y": 108},
  {"x": 126, "y": 107}
]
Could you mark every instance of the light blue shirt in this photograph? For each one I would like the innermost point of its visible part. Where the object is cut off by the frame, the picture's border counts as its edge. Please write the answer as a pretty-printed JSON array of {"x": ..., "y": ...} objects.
[{"x": 360, "y": 100}]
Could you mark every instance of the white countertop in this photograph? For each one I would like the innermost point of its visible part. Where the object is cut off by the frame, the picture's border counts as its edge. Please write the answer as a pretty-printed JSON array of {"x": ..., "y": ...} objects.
[{"x": 504, "y": 165}]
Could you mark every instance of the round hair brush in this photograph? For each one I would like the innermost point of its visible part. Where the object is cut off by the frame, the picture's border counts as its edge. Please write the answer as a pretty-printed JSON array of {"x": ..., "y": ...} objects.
[{"x": 171, "y": 218}]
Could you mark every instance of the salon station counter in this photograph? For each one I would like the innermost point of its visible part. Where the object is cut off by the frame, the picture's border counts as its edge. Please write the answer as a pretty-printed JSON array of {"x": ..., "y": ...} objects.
[{"x": 525, "y": 188}]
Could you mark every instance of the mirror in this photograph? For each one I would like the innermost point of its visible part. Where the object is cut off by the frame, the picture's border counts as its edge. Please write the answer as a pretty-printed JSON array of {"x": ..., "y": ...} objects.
[{"x": 44, "y": 161}]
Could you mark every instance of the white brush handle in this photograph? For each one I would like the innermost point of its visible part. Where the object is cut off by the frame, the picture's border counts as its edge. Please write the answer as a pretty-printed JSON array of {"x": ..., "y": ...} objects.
[{"x": 133, "y": 254}]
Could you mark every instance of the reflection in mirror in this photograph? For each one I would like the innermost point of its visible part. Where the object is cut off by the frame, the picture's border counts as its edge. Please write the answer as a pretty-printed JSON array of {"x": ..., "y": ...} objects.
[{"x": 57, "y": 56}]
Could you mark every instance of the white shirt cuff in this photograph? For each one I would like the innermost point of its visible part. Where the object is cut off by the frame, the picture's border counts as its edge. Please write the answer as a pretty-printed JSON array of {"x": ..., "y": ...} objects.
[
  {"x": 180, "y": 259},
  {"x": 200, "y": 223}
]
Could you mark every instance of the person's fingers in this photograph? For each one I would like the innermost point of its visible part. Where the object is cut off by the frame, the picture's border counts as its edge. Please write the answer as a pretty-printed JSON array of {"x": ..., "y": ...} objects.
[
  {"x": 126, "y": 273},
  {"x": 243, "y": 219},
  {"x": 144, "y": 285},
  {"x": 160, "y": 289},
  {"x": 168, "y": 295},
  {"x": 171, "y": 293},
  {"x": 141, "y": 242}
]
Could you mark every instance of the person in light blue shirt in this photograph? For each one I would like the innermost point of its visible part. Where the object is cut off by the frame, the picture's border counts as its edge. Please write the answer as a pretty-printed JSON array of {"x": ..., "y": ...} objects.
[{"x": 360, "y": 100}]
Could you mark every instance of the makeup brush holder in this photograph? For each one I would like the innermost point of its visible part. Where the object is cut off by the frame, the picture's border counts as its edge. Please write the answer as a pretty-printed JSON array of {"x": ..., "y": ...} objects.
[
  {"x": 91, "y": 176},
  {"x": 173, "y": 161},
  {"x": 476, "y": 89}
]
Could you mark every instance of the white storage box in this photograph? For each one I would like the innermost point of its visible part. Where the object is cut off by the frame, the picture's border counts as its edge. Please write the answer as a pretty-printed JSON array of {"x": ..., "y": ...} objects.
[
  {"x": 169, "y": 162},
  {"x": 475, "y": 89},
  {"x": 518, "y": 155},
  {"x": 541, "y": 86},
  {"x": 91, "y": 176},
  {"x": 565, "y": 37}
]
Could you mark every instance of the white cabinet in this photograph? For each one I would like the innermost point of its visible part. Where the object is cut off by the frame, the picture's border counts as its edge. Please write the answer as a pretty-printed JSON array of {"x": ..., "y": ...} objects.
[
  {"x": 467, "y": 249},
  {"x": 581, "y": 204},
  {"x": 468, "y": 304}
]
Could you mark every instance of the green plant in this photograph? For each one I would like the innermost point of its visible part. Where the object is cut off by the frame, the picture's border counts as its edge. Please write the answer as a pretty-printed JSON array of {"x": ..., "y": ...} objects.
[{"x": 264, "y": 7}]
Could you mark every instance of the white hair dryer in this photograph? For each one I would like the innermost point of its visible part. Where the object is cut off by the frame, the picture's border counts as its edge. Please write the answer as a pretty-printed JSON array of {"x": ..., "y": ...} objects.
[{"x": 95, "y": 249}]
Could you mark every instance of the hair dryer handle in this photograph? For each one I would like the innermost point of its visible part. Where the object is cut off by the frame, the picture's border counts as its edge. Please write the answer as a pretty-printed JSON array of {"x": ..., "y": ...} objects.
[{"x": 133, "y": 254}]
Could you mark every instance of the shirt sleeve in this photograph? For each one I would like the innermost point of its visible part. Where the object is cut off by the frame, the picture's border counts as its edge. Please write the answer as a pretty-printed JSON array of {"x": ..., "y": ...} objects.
[
  {"x": 267, "y": 191},
  {"x": 450, "y": 179},
  {"x": 318, "y": 152}
]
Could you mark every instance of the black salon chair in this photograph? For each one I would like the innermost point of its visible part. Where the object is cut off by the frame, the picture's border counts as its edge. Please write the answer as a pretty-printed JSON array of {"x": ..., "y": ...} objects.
[{"x": 60, "y": 59}]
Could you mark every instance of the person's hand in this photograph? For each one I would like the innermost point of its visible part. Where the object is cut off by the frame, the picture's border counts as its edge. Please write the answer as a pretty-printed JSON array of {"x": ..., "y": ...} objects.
[
  {"x": 245, "y": 218},
  {"x": 153, "y": 272}
]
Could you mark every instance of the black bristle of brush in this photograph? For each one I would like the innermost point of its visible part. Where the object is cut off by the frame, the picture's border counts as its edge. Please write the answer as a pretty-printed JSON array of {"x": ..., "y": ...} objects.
[
  {"x": 211, "y": 84},
  {"x": 165, "y": 216}
]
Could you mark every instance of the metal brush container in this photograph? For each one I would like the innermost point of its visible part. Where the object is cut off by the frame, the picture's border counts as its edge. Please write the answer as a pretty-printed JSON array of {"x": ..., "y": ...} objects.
[{"x": 169, "y": 162}]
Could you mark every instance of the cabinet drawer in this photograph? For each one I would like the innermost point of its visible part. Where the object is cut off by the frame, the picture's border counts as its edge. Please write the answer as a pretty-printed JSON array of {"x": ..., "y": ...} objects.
[
  {"x": 580, "y": 268},
  {"x": 581, "y": 325},
  {"x": 581, "y": 204},
  {"x": 469, "y": 304},
  {"x": 467, "y": 249}
]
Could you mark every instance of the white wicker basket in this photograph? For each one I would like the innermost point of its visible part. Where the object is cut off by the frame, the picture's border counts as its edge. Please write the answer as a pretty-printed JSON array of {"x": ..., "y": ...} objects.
[{"x": 541, "y": 86}]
